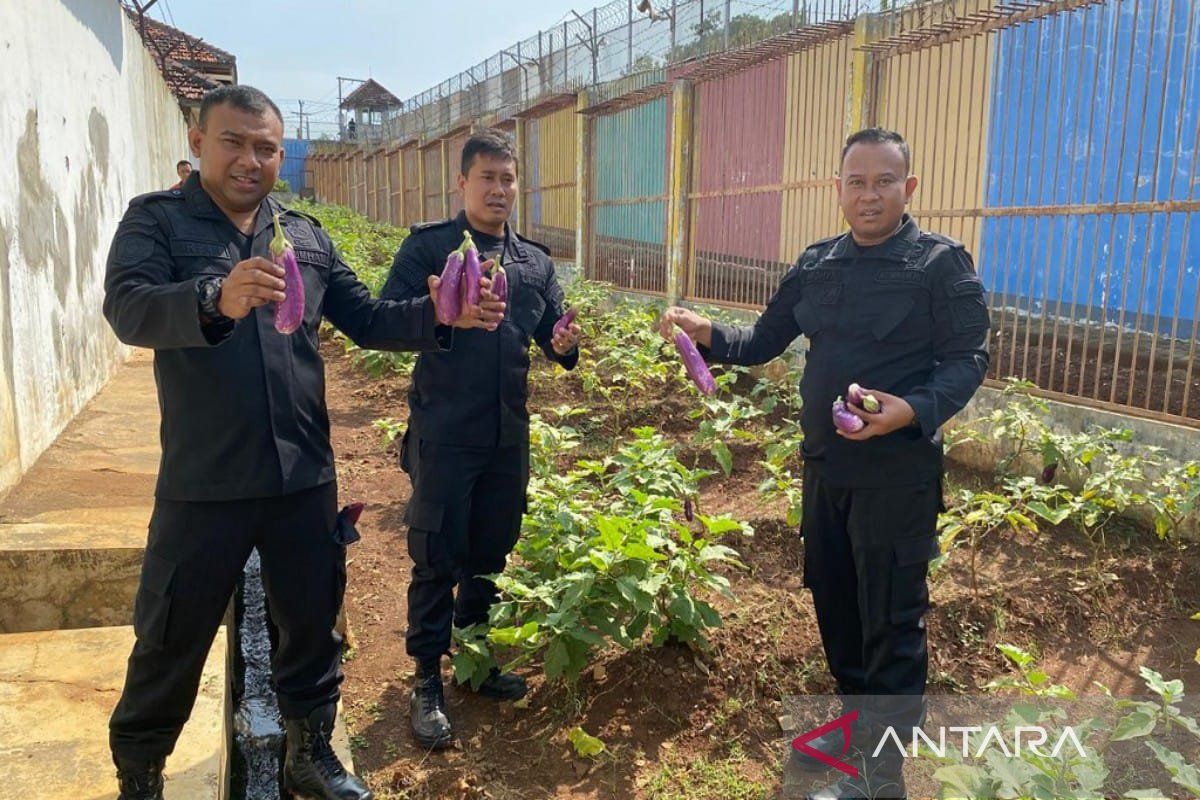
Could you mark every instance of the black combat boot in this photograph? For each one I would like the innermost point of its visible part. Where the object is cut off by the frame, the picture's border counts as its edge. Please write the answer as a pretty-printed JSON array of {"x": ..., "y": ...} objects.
[
  {"x": 881, "y": 776},
  {"x": 139, "y": 780},
  {"x": 499, "y": 686},
  {"x": 427, "y": 707},
  {"x": 311, "y": 769}
]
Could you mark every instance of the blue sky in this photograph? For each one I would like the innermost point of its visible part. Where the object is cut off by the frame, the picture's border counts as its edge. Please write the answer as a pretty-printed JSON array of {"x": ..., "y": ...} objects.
[{"x": 295, "y": 50}]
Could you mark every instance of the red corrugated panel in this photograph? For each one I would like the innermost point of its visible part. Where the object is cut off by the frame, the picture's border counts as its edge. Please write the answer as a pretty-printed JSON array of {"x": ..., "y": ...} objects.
[{"x": 740, "y": 134}]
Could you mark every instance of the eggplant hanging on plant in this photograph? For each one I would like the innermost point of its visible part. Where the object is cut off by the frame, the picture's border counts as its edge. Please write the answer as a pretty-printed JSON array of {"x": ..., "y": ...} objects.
[
  {"x": 689, "y": 512},
  {"x": 472, "y": 272},
  {"x": 845, "y": 419},
  {"x": 290, "y": 312},
  {"x": 693, "y": 362},
  {"x": 449, "y": 305}
]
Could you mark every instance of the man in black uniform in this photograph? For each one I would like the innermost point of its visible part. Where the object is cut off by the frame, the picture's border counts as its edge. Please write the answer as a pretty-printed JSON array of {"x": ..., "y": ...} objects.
[
  {"x": 467, "y": 445},
  {"x": 246, "y": 458},
  {"x": 901, "y": 312}
]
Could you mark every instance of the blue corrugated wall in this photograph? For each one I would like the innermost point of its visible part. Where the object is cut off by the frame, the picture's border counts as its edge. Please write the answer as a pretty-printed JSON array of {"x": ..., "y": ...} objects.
[
  {"x": 295, "y": 153},
  {"x": 1076, "y": 105}
]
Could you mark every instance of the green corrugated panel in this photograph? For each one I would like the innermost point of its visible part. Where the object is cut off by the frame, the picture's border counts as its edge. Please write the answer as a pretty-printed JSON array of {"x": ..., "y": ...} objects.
[{"x": 630, "y": 150}]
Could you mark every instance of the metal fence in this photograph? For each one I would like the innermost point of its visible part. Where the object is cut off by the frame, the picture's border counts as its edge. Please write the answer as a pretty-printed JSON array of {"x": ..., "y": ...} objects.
[{"x": 1058, "y": 139}]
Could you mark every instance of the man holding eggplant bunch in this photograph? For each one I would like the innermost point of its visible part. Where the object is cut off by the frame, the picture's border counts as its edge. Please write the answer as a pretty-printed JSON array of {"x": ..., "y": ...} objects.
[
  {"x": 901, "y": 312},
  {"x": 466, "y": 449},
  {"x": 246, "y": 457}
]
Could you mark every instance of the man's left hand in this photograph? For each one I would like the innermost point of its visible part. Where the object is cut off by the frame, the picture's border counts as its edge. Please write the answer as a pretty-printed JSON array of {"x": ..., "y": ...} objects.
[
  {"x": 895, "y": 413},
  {"x": 566, "y": 341}
]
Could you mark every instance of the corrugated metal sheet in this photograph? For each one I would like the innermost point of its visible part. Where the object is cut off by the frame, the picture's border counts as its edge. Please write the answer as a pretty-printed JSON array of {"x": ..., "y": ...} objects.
[
  {"x": 937, "y": 98},
  {"x": 454, "y": 146},
  {"x": 737, "y": 196},
  {"x": 1099, "y": 106},
  {"x": 630, "y": 161},
  {"x": 412, "y": 186},
  {"x": 818, "y": 83},
  {"x": 549, "y": 193},
  {"x": 628, "y": 204},
  {"x": 295, "y": 167},
  {"x": 396, "y": 187},
  {"x": 435, "y": 195}
]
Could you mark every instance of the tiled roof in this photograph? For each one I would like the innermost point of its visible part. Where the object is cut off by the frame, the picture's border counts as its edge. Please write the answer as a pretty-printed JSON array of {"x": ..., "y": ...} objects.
[
  {"x": 183, "y": 58},
  {"x": 371, "y": 95}
]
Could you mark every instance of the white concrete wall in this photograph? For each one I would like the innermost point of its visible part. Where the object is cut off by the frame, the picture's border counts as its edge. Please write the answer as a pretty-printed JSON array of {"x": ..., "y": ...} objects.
[{"x": 86, "y": 123}]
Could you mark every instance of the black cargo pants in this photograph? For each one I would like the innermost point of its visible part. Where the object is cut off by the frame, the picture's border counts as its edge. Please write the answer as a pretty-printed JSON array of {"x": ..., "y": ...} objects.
[
  {"x": 193, "y": 560},
  {"x": 464, "y": 519}
]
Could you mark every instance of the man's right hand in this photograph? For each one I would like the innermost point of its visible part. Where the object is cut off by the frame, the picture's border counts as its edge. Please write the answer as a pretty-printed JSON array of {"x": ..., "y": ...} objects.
[
  {"x": 486, "y": 315},
  {"x": 697, "y": 327},
  {"x": 252, "y": 283}
]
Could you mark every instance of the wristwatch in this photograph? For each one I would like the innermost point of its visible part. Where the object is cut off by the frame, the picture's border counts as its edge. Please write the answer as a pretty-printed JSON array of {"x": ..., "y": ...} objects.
[{"x": 208, "y": 293}]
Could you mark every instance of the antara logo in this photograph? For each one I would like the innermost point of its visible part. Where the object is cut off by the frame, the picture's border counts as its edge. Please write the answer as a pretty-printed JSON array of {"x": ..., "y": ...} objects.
[{"x": 844, "y": 723}]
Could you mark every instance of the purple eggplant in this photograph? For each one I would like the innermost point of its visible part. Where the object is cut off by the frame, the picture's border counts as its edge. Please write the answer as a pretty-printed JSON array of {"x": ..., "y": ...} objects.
[
  {"x": 564, "y": 322},
  {"x": 449, "y": 305},
  {"x": 500, "y": 283},
  {"x": 472, "y": 273},
  {"x": 689, "y": 512},
  {"x": 289, "y": 313},
  {"x": 1048, "y": 472},
  {"x": 697, "y": 370},
  {"x": 845, "y": 419},
  {"x": 867, "y": 402}
]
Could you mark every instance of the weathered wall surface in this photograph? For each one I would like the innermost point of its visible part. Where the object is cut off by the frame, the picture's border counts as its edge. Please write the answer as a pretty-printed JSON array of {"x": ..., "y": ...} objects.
[{"x": 86, "y": 123}]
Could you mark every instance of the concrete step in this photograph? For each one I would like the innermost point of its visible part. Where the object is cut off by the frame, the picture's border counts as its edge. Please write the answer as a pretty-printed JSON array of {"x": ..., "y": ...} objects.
[
  {"x": 71, "y": 569},
  {"x": 57, "y": 690}
]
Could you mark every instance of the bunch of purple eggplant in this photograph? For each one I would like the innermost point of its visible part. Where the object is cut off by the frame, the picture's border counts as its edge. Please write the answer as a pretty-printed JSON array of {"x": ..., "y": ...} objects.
[
  {"x": 845, "y": 419},
  {"x": 461, "y": 278}
]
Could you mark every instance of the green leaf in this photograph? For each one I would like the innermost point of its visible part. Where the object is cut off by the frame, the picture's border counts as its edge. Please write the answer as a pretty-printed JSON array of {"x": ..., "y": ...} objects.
[
  {"x": 721, "y": 452},
  {"x": 1015, "y": 654},
  {"x": 1052, "y": 515},
  {"x": 557, "y": 658},
  {"x": 1133, "y": 726},
  {"x": 1195, "y": 616},
  {"x": 962, "y": 780},
  {"x": 1145, "y": 794},
  {"x": 1182, "y": 773},
  {"x": 585, "y": 745}
]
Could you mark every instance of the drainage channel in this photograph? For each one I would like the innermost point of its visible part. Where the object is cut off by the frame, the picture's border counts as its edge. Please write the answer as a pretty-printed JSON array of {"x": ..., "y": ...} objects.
[{"x": 257, "y": 726}]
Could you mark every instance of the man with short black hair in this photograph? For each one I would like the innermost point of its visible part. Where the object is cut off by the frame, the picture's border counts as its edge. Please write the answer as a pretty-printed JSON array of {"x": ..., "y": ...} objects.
[
  {"x": 246, "y": 456},
  {"x": 183, "y": 168},
  {"x": 467, "y": 445},
  {"x": 901, "y": 312}
]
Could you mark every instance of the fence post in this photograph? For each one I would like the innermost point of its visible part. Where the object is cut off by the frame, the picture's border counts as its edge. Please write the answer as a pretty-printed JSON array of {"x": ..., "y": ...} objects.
[
  {"x": 445, "y": 148},
  {"x": 523, "y": 161},
  {"x": 583, "y": 186},
  {"x": 678, "y": 205},
  {"x": 421, "y": 182},
  {"x": 858, "y": 104}
]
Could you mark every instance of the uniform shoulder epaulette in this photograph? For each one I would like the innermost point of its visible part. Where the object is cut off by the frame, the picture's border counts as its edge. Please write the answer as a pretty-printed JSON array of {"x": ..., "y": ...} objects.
[
  {"x": 821, "y": 244},
  {"x": 421, "y": 227},
  {"x": 285, "y": 210},
  {"x": 536, "y": 244},
  {"x": 938, "y": 238},
  {"x": 154, "y": 197}
]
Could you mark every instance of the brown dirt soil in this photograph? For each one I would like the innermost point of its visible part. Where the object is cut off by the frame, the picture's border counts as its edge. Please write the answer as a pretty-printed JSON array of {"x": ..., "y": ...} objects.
[{"x": 668, "y": 712}]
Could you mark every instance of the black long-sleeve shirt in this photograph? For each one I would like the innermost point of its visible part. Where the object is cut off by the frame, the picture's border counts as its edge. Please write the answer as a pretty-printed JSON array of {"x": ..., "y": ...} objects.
[
  {"x": 243, "y": 406},
  {"x": 907, "y": 316},
  {"x": 474, "y": 393}
]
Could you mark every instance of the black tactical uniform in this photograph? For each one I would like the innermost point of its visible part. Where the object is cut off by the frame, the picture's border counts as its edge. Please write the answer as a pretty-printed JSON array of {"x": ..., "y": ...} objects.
[
  {"x": 467, "y": 445},
  {"x": 246, "y": 457},
  {"x": 908, "y": 317}
]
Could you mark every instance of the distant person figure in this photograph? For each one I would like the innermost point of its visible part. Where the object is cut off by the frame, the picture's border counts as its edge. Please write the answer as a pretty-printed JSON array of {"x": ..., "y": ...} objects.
[
  {"x": 182, "y": 169},
  {"x": 351, "y": 130}
]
